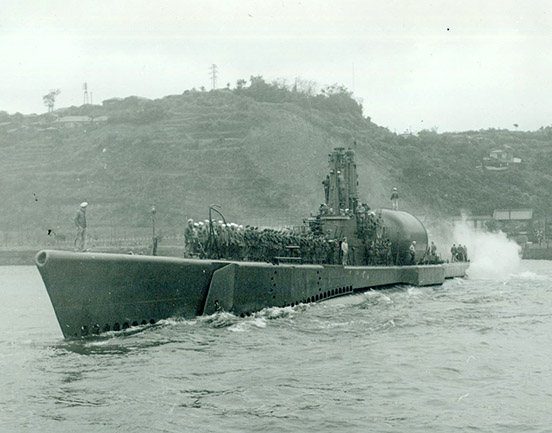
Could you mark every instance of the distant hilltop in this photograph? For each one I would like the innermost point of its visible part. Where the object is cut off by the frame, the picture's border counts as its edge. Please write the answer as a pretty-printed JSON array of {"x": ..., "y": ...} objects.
[{"x": 259, "y": 150}]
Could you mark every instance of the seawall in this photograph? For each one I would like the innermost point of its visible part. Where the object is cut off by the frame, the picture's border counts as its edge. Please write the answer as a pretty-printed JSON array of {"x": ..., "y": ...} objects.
[{"x": 537, "y": 253}]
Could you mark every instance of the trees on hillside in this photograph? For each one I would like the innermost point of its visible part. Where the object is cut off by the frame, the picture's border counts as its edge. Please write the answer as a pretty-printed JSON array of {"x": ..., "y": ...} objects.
[
  {"x": 50, "y": 99},
  {"x": 330, "y": 98}
]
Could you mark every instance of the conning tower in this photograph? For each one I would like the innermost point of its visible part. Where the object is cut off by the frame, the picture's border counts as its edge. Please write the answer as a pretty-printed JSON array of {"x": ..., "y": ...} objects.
[
  {"x": 341, "y": 216},
  {"x": 341, "y": 184}
]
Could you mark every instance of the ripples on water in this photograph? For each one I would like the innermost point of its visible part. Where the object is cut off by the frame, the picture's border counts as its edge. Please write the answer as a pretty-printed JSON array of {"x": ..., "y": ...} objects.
[{"x": 468, "y": 355}]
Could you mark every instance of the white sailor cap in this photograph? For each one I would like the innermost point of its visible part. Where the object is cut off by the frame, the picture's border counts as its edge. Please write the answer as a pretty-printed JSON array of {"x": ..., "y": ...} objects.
[{"x": 84, "y": 204}]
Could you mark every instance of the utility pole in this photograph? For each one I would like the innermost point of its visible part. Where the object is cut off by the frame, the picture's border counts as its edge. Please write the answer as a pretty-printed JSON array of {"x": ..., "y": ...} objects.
[{"x": 213, "y": 74}]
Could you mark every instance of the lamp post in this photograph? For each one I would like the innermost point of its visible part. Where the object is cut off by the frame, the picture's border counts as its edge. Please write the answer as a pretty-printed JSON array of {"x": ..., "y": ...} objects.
[{"x": 154, "y": 238}]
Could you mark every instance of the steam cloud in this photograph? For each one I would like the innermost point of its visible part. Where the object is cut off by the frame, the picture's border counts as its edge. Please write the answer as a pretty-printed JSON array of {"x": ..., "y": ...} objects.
[{"x": 492, "y": 255}]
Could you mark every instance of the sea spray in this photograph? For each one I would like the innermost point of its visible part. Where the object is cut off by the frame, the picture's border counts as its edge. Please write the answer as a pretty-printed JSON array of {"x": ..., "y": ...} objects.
[{"x": 492, "y": 255}]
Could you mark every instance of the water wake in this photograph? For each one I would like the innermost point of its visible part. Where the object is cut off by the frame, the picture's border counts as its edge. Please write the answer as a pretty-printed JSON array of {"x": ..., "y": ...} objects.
[{"x": 492, "y": 255}]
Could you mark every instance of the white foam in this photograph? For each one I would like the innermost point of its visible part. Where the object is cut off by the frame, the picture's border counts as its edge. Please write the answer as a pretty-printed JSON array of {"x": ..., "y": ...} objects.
[
  {"x": 492, "y": 255},
  {"x": 259, "y": 322},
  {"x": 528, "y": 275},
  {"x": 414, "y": 291}
]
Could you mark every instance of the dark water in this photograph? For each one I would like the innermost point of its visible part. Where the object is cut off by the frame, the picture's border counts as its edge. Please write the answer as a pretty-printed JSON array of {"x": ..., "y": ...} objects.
[{"x": 471, "y": 355}]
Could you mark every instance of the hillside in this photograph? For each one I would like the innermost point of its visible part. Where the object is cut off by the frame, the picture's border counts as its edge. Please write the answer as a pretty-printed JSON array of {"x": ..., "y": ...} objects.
[{"x": 258, "y": 151}]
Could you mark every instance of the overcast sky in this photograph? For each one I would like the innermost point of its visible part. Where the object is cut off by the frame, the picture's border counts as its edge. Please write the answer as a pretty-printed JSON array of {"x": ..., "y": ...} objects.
[{"x": 413, "y": 64}]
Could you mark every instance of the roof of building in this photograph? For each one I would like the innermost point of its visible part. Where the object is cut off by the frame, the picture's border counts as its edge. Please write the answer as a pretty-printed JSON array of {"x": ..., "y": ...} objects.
[{"x": 512, "y": 214}]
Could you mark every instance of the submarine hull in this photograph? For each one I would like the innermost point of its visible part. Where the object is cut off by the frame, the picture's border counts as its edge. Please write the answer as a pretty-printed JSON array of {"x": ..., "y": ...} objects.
[{"x": 94, "y": 293}]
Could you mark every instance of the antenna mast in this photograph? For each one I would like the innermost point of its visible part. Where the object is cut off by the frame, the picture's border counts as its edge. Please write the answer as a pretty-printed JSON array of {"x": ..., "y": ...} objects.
[
  {"x": 85, "y": 100},
  {"x": 214, "y": 72}
]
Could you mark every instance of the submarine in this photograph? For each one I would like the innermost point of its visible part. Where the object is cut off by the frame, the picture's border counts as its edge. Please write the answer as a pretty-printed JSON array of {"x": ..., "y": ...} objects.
[{"x": 92, "y": 293}]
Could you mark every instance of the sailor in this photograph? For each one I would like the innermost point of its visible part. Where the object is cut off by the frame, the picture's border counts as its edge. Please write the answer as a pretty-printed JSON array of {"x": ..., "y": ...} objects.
[
  {"x": 371, "y": 224},
  {"x": 233, "y": 241},
  {"x": 80, "y": 223},
  {"x": 432, "y": 253},
  {"x": 341, "y": 190},
  {"x": 412, "y": 252},
  {"x": 379, "y": 225},
  {"x": 196, "y": 242},
  {"x": 326, "y": 183},
  {"x": 203, "y": 235},
  {"x": 388, "y": 254},
  {"x": 345, "y": 250},
  {"x": 333, "y": 252},
  {"x": 453, "y": 252},
  {"x": 395, "y": 199},
  {"x": 189, "y": 239},
  {"x": 224, "y": 240},
  {"x": 460, "y": 252},
  {"x": 240, "y": 247}
]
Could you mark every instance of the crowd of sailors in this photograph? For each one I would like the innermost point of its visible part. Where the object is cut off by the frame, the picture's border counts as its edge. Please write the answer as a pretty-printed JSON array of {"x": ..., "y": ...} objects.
[
  {"x": 231, "y": 241},
  {"x": 220, "y": 240},
  {"x": 459, "y": 253}
]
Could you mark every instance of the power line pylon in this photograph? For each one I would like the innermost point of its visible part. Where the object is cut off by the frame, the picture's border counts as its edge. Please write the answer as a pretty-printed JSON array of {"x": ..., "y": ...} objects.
[
  {"x": 85, "y": 100},
  {"x": 214, "y": 72}
]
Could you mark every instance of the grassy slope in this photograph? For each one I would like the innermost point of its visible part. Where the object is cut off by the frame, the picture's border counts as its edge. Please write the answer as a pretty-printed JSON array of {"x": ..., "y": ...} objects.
[{"x": 256, "y": 159}]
